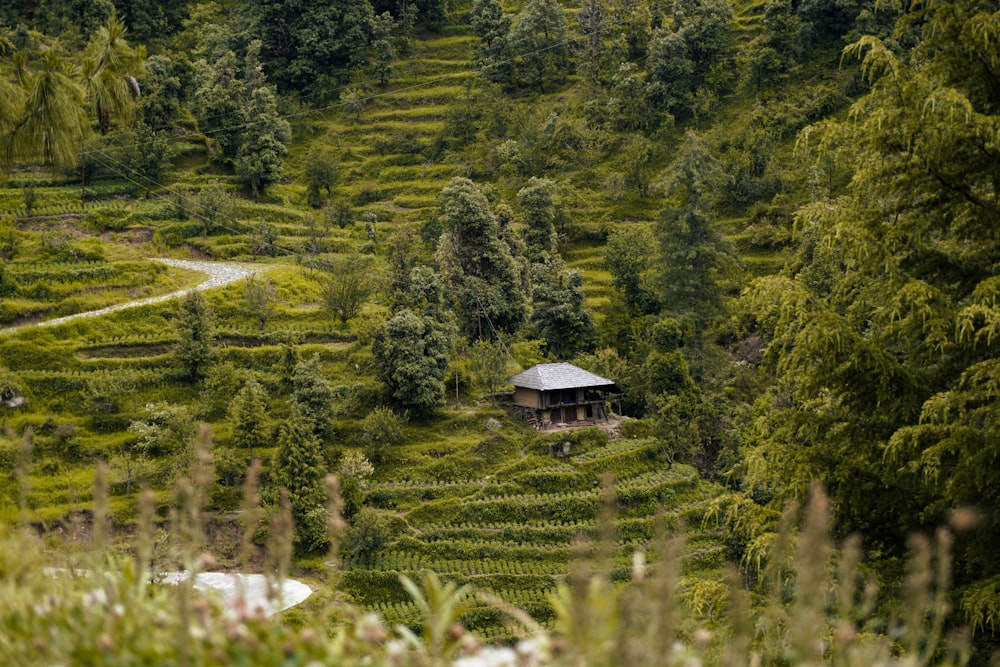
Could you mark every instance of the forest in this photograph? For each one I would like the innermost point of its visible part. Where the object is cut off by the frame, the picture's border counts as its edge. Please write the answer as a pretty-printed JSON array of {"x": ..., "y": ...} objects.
[{"x": 773, "y": 224}]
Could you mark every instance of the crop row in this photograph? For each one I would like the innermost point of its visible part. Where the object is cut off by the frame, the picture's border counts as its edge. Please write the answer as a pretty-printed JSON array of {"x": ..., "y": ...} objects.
[
  {"x": 619, "y": 446},
  {"x": 66, "y": 273},
  {"x": 631, "y": 530},
  {"x": 477, "y": 548},
  {"x": 369, "y": 584},
  {"x": 408, "y": 561}
]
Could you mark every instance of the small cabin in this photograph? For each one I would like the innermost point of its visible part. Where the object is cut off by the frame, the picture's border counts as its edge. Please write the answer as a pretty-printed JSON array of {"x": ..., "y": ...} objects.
[{"x": 561, "y": 394}]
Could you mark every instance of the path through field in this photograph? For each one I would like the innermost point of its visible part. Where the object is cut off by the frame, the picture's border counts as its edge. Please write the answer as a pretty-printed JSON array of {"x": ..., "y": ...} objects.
[{"x": 218, "y": 274}]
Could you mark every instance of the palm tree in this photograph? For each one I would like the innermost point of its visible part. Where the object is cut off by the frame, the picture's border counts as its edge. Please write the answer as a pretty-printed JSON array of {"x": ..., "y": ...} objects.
[
  {"x": 107, "y": 73},
  {"x": 11, "y": 98},
  {"x": 51, "y": 122}
]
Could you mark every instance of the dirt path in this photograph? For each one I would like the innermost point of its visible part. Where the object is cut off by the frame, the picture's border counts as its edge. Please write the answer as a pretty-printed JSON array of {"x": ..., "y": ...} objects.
[{"x": 219, "y": 274}]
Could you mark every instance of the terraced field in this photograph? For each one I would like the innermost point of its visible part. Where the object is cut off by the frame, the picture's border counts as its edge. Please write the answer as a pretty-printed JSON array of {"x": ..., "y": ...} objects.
[{"x": 509, "y": 532}]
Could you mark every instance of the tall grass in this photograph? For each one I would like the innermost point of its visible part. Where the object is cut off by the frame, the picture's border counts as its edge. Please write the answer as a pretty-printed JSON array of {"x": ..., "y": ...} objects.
[{"x": 102, "y": 604}]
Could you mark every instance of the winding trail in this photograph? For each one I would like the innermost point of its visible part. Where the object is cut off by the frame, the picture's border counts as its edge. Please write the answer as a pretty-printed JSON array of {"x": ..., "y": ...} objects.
[{"x": 219, "y": 274}]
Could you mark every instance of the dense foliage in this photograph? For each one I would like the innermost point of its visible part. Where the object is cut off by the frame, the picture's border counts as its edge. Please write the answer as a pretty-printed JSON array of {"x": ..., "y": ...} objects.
[{"x": 772, "y": 224}]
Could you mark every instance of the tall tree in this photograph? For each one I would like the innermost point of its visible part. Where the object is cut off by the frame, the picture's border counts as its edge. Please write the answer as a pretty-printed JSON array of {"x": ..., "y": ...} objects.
[
  {"x": 258, "y": 159},
  {"x": 693, "y": 254},
  {"x": 682, "y": 56},
  {"x": 299, "y": 468},
  {"x": 411, "y": 354},
  {"x": 313, "y": 396},
  {"x": 108, "y": 73},
  {"x": 629, "y": 255},
  {"x": 307, "y": 45},
  {"x": 492, "y": 56},
  {"x": 883, "y": 331},
  {"x": 239, "y": 112},
  {"x": 411, "y": 350},
  {"x": 558, "y": 314},
  {"x": 538, "y": 208},
  {"x": 51, "y": 124},
  {"x": 248, "y": 416},
  {"x": 383, "y": 47},
  {"x": 482, "y": 280},
  {"x": 538, "y": 36},
  {"x": 195, "y": 325}
]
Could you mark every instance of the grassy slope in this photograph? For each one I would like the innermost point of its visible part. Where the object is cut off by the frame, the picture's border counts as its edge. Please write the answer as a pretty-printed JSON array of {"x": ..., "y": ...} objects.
[{"x": 492, "y": 509}]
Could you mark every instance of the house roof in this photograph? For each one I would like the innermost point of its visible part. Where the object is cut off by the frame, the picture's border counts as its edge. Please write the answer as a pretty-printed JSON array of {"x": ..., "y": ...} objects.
[{"x": 546, "y": 377}]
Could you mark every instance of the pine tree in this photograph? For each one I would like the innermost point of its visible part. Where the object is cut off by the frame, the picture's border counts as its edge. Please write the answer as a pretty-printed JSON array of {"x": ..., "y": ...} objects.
[
  {"x": 538, "y": 208},
  {"x": 195, "y": 325},
  {"x": 248, "y": 416},
  {"x": 299, "y": 468},
  {"x": 313, "y": 396},
  {"x": 693, "y": 254}
]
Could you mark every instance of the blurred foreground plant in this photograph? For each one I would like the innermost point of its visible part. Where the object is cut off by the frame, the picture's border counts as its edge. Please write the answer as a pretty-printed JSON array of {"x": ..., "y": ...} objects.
[{"x": 105, "y": 607}]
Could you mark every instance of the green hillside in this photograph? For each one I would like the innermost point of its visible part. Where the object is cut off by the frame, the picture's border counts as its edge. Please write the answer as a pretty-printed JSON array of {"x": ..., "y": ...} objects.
[{"x": 770, "y": 223}]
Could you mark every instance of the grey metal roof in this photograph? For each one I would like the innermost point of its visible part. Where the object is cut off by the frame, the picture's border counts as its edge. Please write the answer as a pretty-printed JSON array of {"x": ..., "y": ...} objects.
[{"x": 546, "y": 377}]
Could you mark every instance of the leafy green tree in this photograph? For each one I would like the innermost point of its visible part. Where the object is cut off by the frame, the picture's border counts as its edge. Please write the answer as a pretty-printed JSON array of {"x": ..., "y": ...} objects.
[
  {"x": 312, "y": 397},
  {"x": 681, "y": 56},
  {"x": 411, "y": 354},
  {"x": 381, "y": 429},
  {"x": 628, "y": 101},
  {"x": 671, "y": 73},
  {"x": 239, "y": 112},
  {"x": 774, "y": 53},
  {"x": 354, "y": 472},
  {"x": 345, "y": 285},
  {"x": 538, "y": 35},
  {"x": 214, "y": 207},
  {"x": 338, "y": 213},
  {"x": 194, "y": 322},
  {"x": 493, "y": 55},
  {"x": 482, "y": 281},
  {"x": 160, "y": 82},
  {"x": 164, "y": 429},
  {"x": 309, "y": 45},
  {"x": 261, "y": 298},
  {"x": 558, "y": 314},
  {"x": 218, "y": 99},
  {"x": 299, "y": 468},
  {"x": 367, "y": 537},
  {"x": 258, "y": 160},
  {"x": 629, "y": 254},
  {"x": 321, "y": 174},
  {"x": 248, "y": 417},
  {"x": 538, "y": 209},
  {"x": 382, "y": 46},
  {"x": 147, "y": 20},
  {"x": 144, "y": 154}
]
